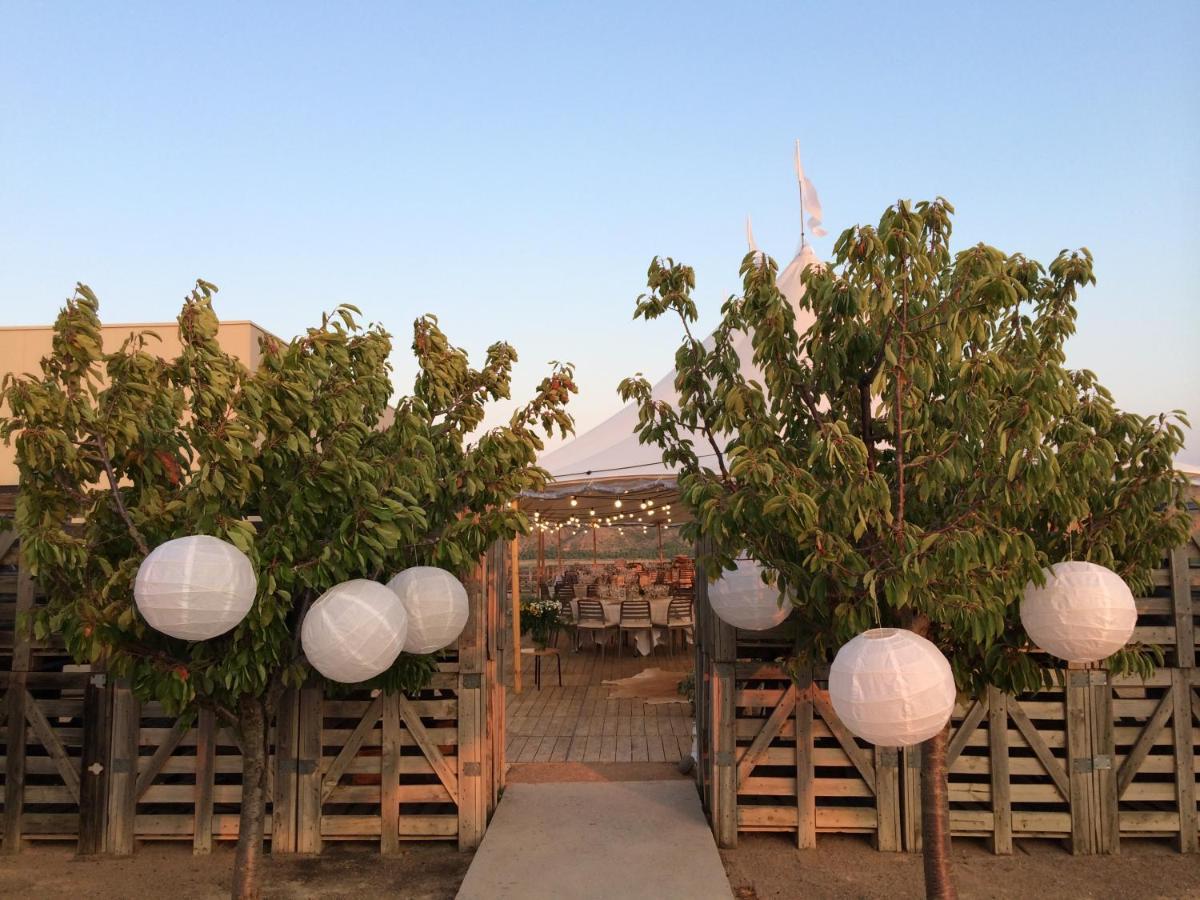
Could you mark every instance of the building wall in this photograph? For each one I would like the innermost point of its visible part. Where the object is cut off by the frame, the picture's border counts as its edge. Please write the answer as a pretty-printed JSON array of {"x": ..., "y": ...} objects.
[{"x": 22, "y": 349}]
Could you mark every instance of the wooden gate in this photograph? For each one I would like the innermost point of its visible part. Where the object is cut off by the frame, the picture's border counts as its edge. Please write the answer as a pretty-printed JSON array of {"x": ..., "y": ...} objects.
[
  {"x": 84, "y": 759},
  {"x": 1088, "y": 761}
]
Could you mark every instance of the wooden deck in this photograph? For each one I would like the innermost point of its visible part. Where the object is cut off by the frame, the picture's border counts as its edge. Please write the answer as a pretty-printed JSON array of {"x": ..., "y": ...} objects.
[{"x": 580, "y": 723}]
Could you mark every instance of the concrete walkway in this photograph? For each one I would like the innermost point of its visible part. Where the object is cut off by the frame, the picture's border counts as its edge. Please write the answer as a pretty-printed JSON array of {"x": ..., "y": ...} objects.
[{"x": 634, "y": 839}]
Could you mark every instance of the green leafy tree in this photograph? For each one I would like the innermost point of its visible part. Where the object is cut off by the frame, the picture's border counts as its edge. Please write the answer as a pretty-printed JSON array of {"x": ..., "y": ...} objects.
[
  {"x": 301, "y": 464},
  {"x": 917, "y": 454}
]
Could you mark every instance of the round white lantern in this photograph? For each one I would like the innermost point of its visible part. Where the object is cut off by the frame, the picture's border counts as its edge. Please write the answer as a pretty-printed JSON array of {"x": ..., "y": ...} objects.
[
  {"x": 741, "y": 599},
  {"x": 195, "y": 587},
  {"x": 436, "y": 603},
  {"x": 1084, "y": 612},
  {"x": 354, "y": 631},
  {"x": 892, "y": 687}
]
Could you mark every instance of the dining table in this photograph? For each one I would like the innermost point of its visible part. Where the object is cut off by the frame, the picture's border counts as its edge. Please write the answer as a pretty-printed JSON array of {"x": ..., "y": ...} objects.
[{"x": 645, "y": 639}]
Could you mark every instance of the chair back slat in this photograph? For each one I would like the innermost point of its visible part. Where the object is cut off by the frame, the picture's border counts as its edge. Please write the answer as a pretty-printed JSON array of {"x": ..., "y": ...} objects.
[
  {"x": 591, "y": 611},
  {"x": 679, "y": 610},
  {"x": 635, "y": 610}
]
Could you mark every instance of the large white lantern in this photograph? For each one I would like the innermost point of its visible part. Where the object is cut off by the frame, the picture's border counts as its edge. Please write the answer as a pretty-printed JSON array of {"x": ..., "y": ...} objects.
[
  {"x": 195, "y": 587},
  {"x": 1084, "y": 612},
  {"x": 892, "y": 687},
  {"x": 354, "y": 631},
  {"x": 436, "y": 603},
  {"x": 741, "y": 599}
]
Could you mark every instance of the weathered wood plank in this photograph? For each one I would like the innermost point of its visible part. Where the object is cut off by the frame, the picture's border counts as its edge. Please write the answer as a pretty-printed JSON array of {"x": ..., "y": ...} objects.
[
  {"x": 969, "y": 724},
  {"x": 857, "y": 754},
  {"x": 48, "y": 739},
  {"x": 1137, "y": 754},
  {"x": 1185, "y": 770},
  {"x": 389, "y": 779},
  {"x": 770, "y": 730},
  {"x": 416, "y": 730},
  {"x": 93, "y": 765},
  {"x": 1039, "y": 748},
  {"x": 123, "y": 770},
  {"x": 350, "y": 749},
  {"x": 806, "y": 800},
  {"x": 206, "y": 750},
  {"x": 997, "y": 708},
  {"x": 149, "y": 771}
]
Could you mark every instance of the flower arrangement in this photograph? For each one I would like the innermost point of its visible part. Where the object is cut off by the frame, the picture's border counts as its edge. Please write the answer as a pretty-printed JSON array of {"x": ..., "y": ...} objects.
[{"x": 541, "y": 617}]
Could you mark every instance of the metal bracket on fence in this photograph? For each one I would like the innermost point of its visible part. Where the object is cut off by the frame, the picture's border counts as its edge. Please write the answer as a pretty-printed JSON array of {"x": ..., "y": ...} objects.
[
  {"x": 99, "y": 680},
  {"x": 889, "y": 757},
  {"x": 472, "y": 680},
  {"x": 306, "y": 766},
  {"x": 472, "y": 770},
  {"x": 124, "y": 766},
  {"x": 724, "y": 758},
  {"x": 1087, "y": 764},
  {"x": 913, "y": 756}
]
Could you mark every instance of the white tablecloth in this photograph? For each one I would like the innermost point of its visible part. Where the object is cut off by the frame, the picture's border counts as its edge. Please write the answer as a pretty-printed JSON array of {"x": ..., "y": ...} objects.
[{"x": 647, "y": 638}]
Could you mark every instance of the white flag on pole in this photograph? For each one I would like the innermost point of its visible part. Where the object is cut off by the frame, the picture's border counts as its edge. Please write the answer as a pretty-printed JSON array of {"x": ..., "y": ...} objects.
[{"x": 810, "y": 202}]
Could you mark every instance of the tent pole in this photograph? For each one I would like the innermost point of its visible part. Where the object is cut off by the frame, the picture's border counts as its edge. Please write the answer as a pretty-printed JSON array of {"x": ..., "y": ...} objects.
[
  {"x": 558, "y": 535},
  {"x": 595, "y": 561},
  {"x": 660, "y": 556},
  {"x": 541, "y": 558}
]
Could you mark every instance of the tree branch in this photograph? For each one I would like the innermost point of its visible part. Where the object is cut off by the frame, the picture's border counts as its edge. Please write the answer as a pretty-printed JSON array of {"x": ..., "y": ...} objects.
[{"x": 116, "y": 493}]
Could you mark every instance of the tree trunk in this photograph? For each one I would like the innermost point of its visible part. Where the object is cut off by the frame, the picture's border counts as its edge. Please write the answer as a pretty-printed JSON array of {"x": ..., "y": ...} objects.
[
  {"x": 253, "y": 719},
  {"x": 935, "y": 819}
]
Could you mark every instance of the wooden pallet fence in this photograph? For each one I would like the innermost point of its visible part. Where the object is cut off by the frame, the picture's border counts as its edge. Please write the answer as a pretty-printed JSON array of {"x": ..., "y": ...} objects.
[
  {"x": 82, "y": 759},
  {"x": 799, "y": 770},
  {"x": 171, "y": 782}
]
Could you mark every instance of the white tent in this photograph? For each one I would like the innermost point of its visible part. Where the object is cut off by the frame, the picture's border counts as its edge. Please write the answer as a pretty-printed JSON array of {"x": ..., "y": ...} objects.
[
  {"x": 605, "y": 476},
  {"x": 611, "y": 450}
]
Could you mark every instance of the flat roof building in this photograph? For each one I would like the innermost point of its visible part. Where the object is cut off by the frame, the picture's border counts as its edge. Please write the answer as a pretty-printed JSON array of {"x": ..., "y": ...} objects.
[{"x": 23, "y": 346}]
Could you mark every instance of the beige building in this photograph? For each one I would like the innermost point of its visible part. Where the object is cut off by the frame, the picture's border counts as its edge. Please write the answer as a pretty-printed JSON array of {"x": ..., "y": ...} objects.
[{"x": 22, "y": 349}]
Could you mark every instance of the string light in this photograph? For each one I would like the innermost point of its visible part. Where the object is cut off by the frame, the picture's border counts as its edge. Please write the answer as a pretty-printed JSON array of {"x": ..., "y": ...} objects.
[
  {"x": 574, "y": 502},
  {"x": 618, "y": 503}
]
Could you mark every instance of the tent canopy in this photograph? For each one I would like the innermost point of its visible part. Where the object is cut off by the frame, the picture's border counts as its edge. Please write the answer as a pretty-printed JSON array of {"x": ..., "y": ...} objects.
[{"x": 607, "y": 464}]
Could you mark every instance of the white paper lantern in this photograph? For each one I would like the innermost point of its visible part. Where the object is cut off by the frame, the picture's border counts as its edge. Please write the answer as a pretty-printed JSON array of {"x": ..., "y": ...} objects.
[
  {"x": 436, "y": 603},
  {"x": 742, "y": 600},
  {"x": 195, "y": 587},
  {"x": 354, "y": 631},
  {"x": 1084, "y": 613},
  {"x": 892, "y": 687}
]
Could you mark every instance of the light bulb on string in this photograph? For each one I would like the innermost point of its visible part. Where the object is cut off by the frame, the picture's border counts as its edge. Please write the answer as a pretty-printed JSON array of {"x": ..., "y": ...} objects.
[{"x": 574, "y": 502}]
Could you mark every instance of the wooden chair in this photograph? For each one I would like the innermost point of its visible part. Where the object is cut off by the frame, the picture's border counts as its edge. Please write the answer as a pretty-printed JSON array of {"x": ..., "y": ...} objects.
[
  {"x": 679, "y": 619},
  {"x": 592, "y": 621},
  {"x": 635, "y": 616}
]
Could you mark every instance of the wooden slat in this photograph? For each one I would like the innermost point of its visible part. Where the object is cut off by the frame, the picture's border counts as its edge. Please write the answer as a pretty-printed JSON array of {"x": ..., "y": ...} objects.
[
  {"x": 1039, "y": 748},
  {"x": 770, "y": 730},
  {"x": 416, "y": 730},
  {"x": 123, "y": 771},
  {"x": 857, "y": 755},
  {"x": 154, "y": 765},
  {"x": 1185, "y": 778},
  {"x": 969, "y": 724},
  {"x": 997, "y": 703},
  {"x": 206, "y": 750},
  {"x": 806, "y": 802},
  {"x": 389, "y": 779},
  {"x": 1181, "y": 604},
  {"x": 350, "y": 749},
  {"x": 309, "y": 826},
  {"x": 14, "y": 764},
  {"x": 49, "y": 740},
  {"x": 1137, "y": 754},
  {"x": 284, "y": 797}
]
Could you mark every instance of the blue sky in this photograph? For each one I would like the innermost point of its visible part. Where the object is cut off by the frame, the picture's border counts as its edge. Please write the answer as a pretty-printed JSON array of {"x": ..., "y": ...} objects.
[{"x": 513, "y": 167}]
